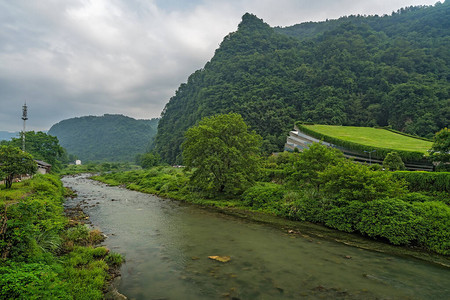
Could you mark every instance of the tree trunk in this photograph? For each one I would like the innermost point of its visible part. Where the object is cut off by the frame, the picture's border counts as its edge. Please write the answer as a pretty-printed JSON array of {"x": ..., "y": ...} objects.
[{"x": 8, "y": 181}]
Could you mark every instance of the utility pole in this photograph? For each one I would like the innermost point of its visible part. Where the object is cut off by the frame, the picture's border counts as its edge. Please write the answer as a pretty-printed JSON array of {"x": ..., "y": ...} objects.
[{"x": 24, "y": 118}]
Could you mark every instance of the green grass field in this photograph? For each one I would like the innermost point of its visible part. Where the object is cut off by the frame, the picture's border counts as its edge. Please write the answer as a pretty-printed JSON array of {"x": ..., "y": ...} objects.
[{"x": 375, "y": 137}]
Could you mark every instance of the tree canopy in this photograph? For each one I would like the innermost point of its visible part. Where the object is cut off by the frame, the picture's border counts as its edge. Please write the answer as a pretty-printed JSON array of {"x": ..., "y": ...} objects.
[
  {"x": 222, "y": 153},
  {"x": 363, "y": 71},
  {"x": 42, "y": 146},
  {"x": 13, "y": 162}
]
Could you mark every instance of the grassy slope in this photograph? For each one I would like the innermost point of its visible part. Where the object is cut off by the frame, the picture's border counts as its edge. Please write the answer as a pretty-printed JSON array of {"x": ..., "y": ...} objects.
[{"x": 376, "y": 137}]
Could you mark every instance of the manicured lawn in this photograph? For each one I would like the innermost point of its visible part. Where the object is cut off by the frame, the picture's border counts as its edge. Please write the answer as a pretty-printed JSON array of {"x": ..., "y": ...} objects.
[{"x": 373, "y": 137}]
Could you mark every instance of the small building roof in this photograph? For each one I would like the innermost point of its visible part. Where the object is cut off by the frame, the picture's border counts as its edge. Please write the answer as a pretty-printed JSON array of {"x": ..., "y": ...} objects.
[{"x": 42, "y": 163}]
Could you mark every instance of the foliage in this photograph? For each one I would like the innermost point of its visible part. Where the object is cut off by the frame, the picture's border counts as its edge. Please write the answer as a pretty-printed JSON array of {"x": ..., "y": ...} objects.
[
  {"x": 389, "y": 218},
  {"x": 352, "y": 181},
  {"x": 112, "y": 138},
  {"x": 263, "y": 195},
  {"x": 14, "y": 162},
  {"x": 223, "y": 153},
  {"x": 440, "y": 151},
  {"x": 32, "y": 281},
  {"x": 387, "y": 70},
  {"x": 147, "y": 160},
  {"x": 393, "y": 162},
  {"x": 311, "y": 161},
  {"x": 425, "y": 181},
  {"x": 359, "y": 147},
  {"x": 43, "y": 147},
  {"x": 434, "y": 226},
  {"x": 97, "y": 168},
  {"x": 31, "y": 265},
  {"x": 86, "y": 271}
]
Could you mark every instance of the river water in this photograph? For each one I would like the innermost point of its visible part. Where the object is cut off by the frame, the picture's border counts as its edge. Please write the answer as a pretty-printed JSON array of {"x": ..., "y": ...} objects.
[{"x": 167, "y": 244}]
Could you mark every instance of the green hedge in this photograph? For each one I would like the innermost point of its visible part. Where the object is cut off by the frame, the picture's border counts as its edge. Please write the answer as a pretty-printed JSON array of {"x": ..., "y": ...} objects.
[
  {"x": 407, "y": 156},
  {"x": 425, "y": 181}
]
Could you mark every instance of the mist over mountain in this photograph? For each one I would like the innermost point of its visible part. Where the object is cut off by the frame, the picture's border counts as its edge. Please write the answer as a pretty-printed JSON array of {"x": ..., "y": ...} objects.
[
  {"x": 390, "y": 70},
  {"x": 105, "y": 138}
]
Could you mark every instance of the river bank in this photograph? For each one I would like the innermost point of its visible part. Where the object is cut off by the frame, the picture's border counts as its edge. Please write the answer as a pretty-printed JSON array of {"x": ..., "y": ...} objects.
[{"x": 44, "y": 255}]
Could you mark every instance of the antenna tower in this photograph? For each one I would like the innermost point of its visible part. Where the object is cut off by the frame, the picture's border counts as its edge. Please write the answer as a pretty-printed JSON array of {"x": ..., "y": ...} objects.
[{"x": 24, "y": 118}]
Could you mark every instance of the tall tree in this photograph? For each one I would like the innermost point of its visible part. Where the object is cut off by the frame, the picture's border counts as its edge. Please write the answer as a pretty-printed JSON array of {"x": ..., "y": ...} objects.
[
  {"x": 223, "y": 154},
  {"x": 13, "y": 162}
]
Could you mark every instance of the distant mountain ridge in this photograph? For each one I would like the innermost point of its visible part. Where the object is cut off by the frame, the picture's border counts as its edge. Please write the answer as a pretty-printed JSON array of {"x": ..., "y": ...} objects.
[
  {"x": 363, "y": 71},
  {"x": 105, "y": 138}
]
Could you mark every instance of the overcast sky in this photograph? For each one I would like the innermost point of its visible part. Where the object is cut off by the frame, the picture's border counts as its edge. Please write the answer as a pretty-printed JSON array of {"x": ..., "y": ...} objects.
[{"x": 74, "y": 58}]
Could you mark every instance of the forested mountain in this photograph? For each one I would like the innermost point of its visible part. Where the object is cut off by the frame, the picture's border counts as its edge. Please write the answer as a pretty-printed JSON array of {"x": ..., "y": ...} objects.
[
  {"x": 105, "y": 138},
  {"x": 369, "y": 71}
]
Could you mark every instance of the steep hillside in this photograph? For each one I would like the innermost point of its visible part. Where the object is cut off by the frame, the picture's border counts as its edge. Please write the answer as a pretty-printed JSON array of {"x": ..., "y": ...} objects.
[
  {"x": 105, "y": 138},
  {"x": 365, "y": 71}
]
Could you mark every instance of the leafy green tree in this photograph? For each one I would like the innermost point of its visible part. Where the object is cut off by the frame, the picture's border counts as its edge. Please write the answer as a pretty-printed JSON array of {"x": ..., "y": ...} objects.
[
  {"x": 440, "y": 150},
  {"x": 350, "y": 181},
  {"x": 312, "y": 161},
  {"x": 393, "y": 162},
  {"x": 13, "y": 162},
  {"x": 147, "y": 160},
  {"x": 43, "y": 147},
  {"x": 224, "y": 155}
]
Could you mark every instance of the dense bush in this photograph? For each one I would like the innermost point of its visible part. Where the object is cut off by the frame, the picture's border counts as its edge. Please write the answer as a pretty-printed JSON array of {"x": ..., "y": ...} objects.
[
  {"x": 392, "y": 219},
  {"x": 40, "y": 259},
  {"x": 263, "y": 195},
  {"x": 32, "y": 281},
  {"x": 425, "y": 181},
  {"x": 433, "y": 227},
  {"x": 351, "y": 181}
]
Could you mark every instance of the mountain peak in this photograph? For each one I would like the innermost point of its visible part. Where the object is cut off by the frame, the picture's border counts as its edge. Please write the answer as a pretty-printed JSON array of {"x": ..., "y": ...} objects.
[{"x": 252, "y": 22}]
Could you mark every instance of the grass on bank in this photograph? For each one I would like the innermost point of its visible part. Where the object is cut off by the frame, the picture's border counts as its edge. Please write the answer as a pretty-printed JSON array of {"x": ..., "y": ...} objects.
[
  {"x": 41, "y": 256},
  {"x": 373, "y": 137}
]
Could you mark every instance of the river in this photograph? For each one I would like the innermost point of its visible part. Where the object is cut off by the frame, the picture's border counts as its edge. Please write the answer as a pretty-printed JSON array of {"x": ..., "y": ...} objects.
[{"x": 167, "y": 244}]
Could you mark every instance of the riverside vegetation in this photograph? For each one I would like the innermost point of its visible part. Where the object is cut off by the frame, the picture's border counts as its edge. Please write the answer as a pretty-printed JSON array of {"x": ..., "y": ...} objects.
[
  {"x": 387, "y": 206},
  {"x": 42, "y": 255},
  {"x": 317, "y": 185}
]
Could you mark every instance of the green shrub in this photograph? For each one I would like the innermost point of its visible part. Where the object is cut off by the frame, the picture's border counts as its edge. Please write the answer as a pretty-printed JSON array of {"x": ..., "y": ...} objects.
[
  {"x": 78, "y": 234},
  {"x": 434, "y": 226},
  {"x": 425, "y": 181},
  {"x": 263, "y": 195},
  {"x": 32, "y": 281},
  {"x": 100, "y": 252},
  {"x": 393, "y": 162},
  {"x": 114, "y": 259},
  {"x": 345, "y": 218},
  {"x": 351, "y": 181},
  {"x": 392, "y": 219},
  {"x": 306, "y": 206}
]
